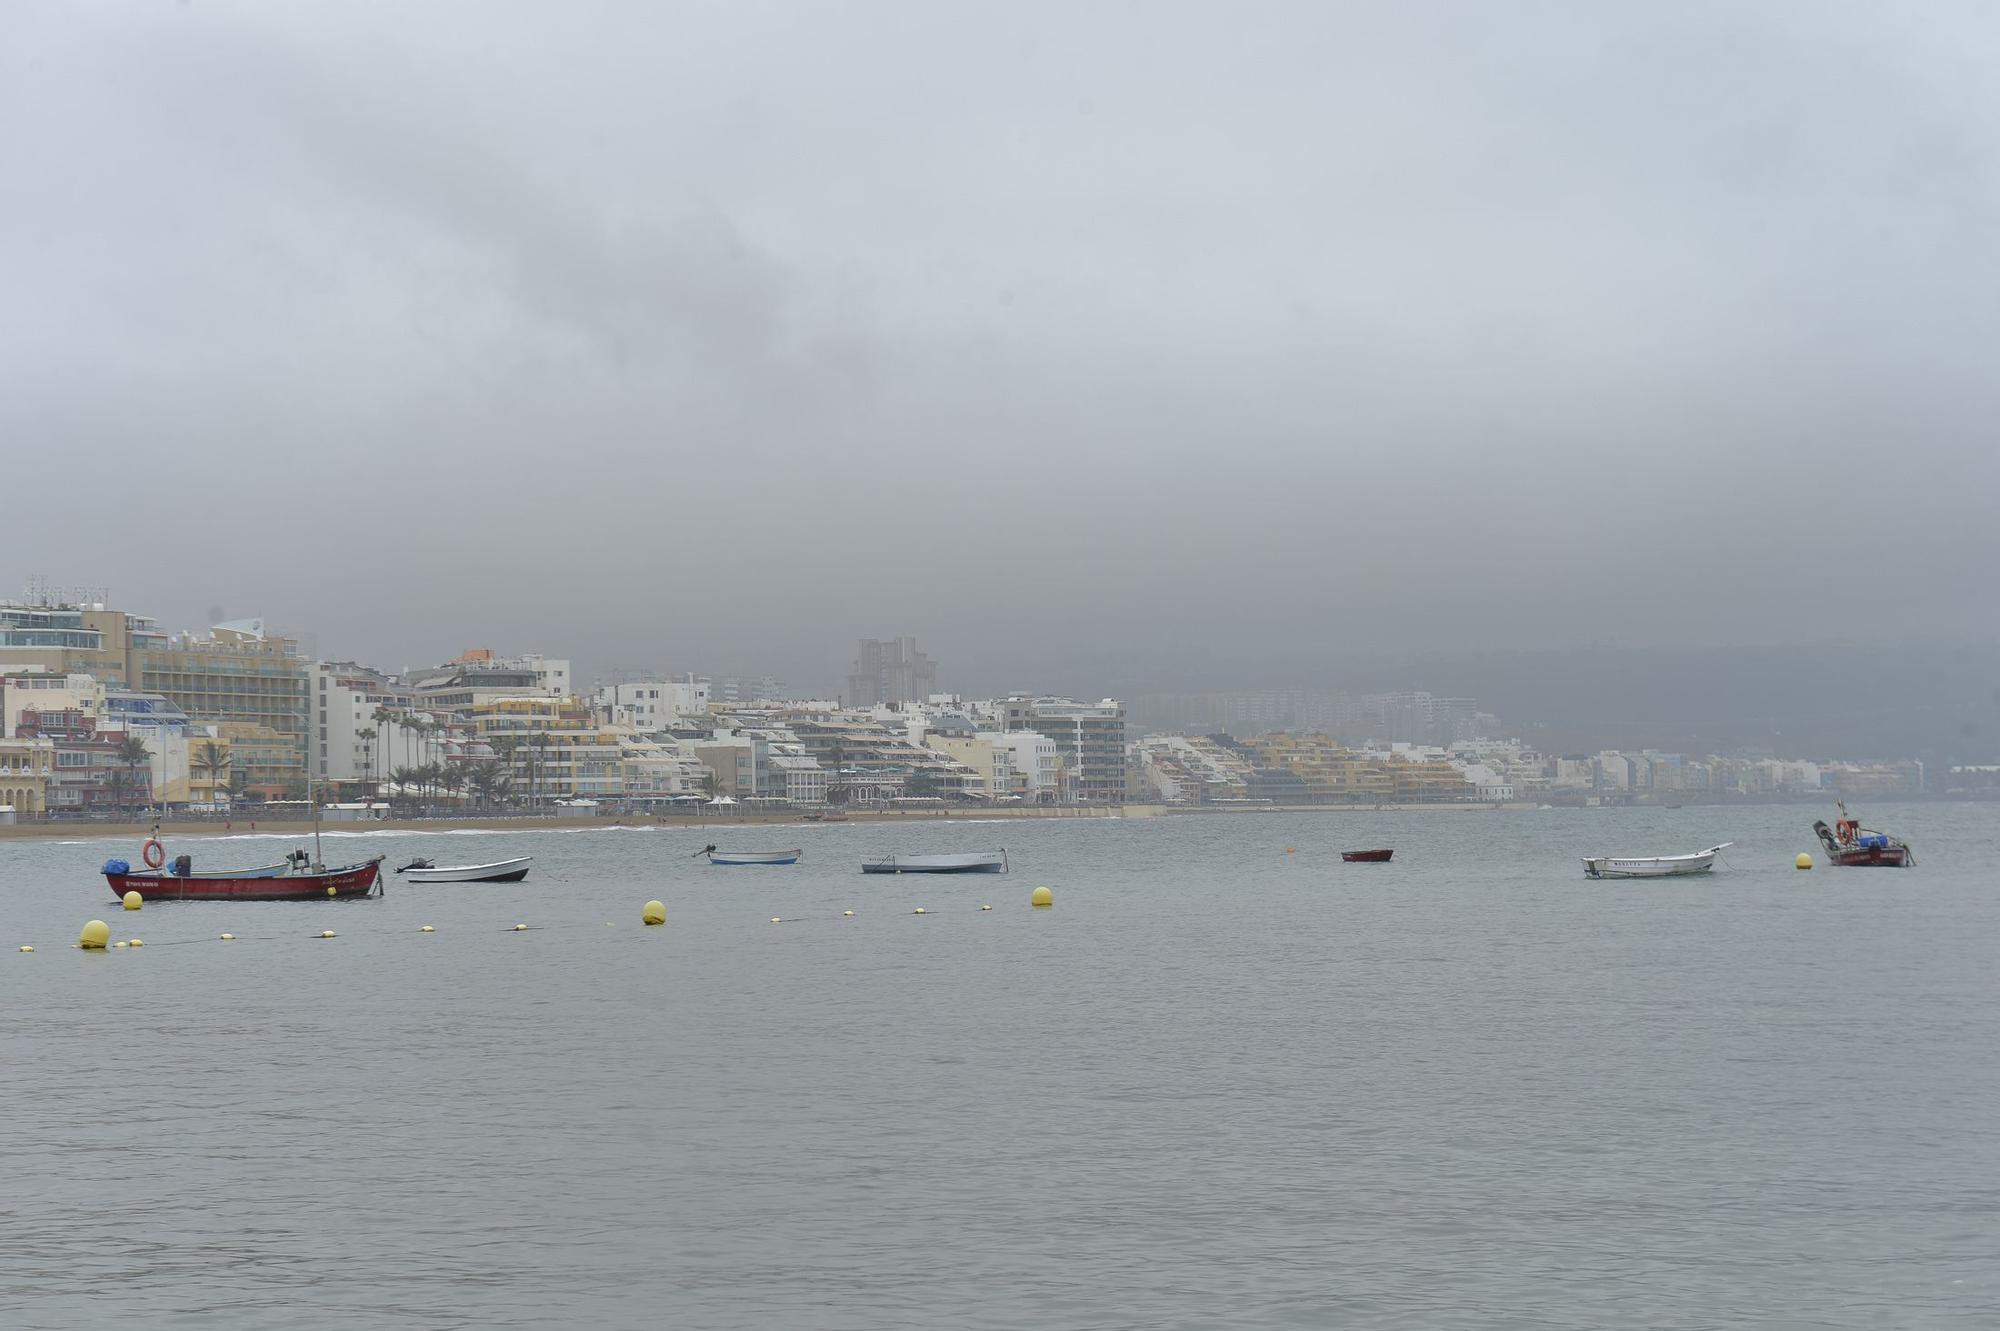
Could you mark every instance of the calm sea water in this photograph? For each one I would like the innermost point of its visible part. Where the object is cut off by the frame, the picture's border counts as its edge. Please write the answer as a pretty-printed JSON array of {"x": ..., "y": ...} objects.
[{"x": 1219, "y": 1085}]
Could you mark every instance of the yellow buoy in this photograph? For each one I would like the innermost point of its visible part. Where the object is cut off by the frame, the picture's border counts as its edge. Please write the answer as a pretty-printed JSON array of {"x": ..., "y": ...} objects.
[
  {"x": 777, "y": 919},
  {"x": 95, "y": 935},
  {"x": 326, "y": 933},
  {"x": 121, "y": 943},
  {"x": 330, "y": 890},
  {"x": 986, "y": 908},
  {"x": 138, "y": 942},
  {"x": 1804, "y": 861},
  {"x": 1041, "y": 896},
  {"x": 133, "y": 901},
  {"x": 427, "y": 930},
  {"x": 229, "y": 938},
  {"x": 848, "y": 913},
  {"x": 27, "y": 947},
  {"x": 920, "y": 911},
  {"x": 655, "y": 912},
  {"x": 519, "y": 927}
]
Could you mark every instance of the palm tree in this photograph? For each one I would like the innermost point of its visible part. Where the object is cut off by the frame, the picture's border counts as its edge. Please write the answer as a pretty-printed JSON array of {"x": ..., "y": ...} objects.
[
  {"x": 120, "y": 785},
  {"x": 213, "y": 760},
  {"x": 381, "y": 717},
  {"x": 480, "y": 781},
  {"x": 132, "y": 751},
  {"x": 541, "y": 751}
]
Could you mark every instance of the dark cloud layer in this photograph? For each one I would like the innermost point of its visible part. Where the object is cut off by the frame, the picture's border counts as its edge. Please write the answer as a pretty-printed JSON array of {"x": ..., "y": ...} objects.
[{"x": 716, "y": 335}]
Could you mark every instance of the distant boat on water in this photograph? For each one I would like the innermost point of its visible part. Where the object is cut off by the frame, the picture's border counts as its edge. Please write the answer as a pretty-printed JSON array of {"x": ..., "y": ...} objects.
[
  {"x": 1852, "y": 846},
  {"x": 499, "y": 871},
  {"x": 981, "y": 861},
  {"x": 1367, "y": 856},
  {"x": 1652, "y": 866},
  {"x": 753, "y": 856}
]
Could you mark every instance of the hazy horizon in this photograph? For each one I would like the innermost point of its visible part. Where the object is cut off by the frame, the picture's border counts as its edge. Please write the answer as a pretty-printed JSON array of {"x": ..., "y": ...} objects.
[{"x": 1105, "y": 342}]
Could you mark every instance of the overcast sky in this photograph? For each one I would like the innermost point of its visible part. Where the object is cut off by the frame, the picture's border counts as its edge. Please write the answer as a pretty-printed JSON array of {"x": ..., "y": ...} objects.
[{"x": 715, "y": 336}]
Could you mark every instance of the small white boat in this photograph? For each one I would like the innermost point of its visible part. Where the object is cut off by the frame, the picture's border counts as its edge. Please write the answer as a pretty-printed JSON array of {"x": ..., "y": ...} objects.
[
  {"x": 752, "y": 856},
  {"x": 1654, "y": 866},
  {"x": 981, "y": 861},
  {"x": 500, "y": 871}
]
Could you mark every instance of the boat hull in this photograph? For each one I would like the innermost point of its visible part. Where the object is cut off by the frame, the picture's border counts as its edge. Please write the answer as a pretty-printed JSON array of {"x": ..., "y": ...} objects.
[
  {"x": 978, "y": 862},
  {"x": 1610, "y": 868},
  {"x": 1652, "y": 866},
  {"x": 1366, "y": 856},
  {"x": 742, "y": 857},
  {"x": 500, "y": 871},
  {"x": 355, "y": 880},
  {"x": 1871, "y": 857}
]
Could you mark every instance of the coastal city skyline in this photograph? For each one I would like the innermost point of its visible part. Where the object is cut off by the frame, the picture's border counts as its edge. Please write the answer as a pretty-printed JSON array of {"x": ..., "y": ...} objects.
[{"x": 104, "y": 709}]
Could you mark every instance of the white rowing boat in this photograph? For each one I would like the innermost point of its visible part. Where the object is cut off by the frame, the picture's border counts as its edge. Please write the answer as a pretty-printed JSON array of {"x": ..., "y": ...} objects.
[
  {"x": 753, "y": 856},
  {"x": 981, "y": 861},
  {"x": 1652, "y": 866},
  {"x": 499, "y": 871}
]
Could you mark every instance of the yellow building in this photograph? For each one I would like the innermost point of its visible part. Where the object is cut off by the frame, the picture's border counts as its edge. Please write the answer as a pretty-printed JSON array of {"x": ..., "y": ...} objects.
[
  {"x": 1334, "y": 773},
  {"x": 1331, "y": 772},
  {"x": 262, "y": 761},
  {"x": 26, "y": 768},
  {"x": 553, "y": 747},
  {"x": 1428, "y": 781},
  {"x": 211, "y": 767}
]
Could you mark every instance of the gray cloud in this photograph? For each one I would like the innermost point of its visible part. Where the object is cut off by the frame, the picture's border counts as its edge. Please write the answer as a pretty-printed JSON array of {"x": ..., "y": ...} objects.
[{"x": 714, "y": 336}]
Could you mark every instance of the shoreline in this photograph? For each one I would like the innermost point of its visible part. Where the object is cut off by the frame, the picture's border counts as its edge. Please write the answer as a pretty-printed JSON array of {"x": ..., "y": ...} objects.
[{"x": 89, "y": 831}]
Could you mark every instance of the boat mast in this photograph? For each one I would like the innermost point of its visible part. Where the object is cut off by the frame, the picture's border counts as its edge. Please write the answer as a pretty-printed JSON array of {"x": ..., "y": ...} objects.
[{"x": 312, "y": 797}]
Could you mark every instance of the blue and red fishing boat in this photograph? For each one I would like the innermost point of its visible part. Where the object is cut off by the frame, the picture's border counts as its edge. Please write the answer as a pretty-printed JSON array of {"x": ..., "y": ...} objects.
[{"x": 1852, "y": 846}]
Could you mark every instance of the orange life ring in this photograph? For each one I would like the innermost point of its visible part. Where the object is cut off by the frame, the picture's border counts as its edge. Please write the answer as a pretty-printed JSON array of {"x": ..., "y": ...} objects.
[{"x": 155, "y": 854}]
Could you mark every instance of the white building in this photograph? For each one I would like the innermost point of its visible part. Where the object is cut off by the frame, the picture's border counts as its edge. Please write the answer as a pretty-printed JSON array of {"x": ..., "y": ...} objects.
[
  {"x": 993, "y": 762},
  {"x": 479, "y": 677},
  {"x": 1034, "y": 757},
  {"x": 349, "y": 743},
  {"x": 645, "y": 705},
  {"x": 34, "y": 690},
  {"x": 795, "y": 775}
]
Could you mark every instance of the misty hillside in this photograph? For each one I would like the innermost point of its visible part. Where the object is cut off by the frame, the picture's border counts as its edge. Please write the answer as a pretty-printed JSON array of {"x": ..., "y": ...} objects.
[{"x": 1938, "y": 702}]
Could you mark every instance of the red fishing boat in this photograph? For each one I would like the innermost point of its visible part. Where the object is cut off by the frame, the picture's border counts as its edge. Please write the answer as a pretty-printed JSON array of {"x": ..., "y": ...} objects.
[
  {"x": 1853, "y": 846},
  {"x": 300, "y": 877},
  {"x": 353, "y": 880},
  {"x": 1366, "y": 856}
]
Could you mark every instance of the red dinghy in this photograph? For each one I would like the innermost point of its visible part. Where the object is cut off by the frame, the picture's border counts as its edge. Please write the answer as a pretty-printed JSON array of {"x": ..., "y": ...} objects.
[{"x": 1366, "y": 856}]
